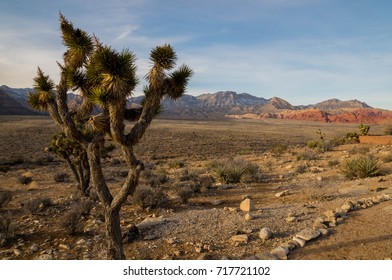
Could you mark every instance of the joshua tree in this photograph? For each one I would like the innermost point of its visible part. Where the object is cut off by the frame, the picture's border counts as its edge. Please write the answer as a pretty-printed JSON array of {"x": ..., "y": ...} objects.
[{"x": 105, "y": 78}]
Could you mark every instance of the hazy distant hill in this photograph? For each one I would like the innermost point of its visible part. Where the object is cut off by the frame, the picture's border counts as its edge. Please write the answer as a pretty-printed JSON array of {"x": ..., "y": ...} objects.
[
  {"x": 14, "y": 102},
  {"x": 227, "y": 104}
]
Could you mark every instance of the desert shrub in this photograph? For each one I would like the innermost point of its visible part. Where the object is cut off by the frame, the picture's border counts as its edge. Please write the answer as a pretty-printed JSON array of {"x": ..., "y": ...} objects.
[
  {"x": 60, "y": 177},
  {"x": 232, "y": 170},
  {"x": 5, "y": 197},
  {"x": 362, "y": 150},
  {"x": 184, "y": 191},
  {"x": 4, "y": 168},
  {"x": 187, "y": 176},
  {"x": 300, "y": 169},
  {"x": 149, "y": 198},
  {"x": 24, "y": 180},
  {"x": 278, "y": 149},
  {"x": 71, "y": 221},
  {"x": 157, "y": 179},
  {"x": 387, "y": 158},
  {"x": 361, "y": 167},
  {"x": 388, "y": 129},
  {"x": 333, "y": 162},
  {"x": 34, "y": 206},
  {"x": 7, "y": 228},
  {"x": 83, "y": 205},
  {"x": 177, "y": 164},
  {"x": 364, "y": 129},
  {"x": 307, "y": 154}
]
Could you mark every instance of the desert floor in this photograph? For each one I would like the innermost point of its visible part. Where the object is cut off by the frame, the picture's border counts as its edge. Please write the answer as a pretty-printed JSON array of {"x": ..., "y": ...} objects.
[{"x": 209, "y": 224}]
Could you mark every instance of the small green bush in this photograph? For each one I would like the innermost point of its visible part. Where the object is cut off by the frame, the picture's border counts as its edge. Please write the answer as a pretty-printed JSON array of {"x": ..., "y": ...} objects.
[
  {"x": 34, "y": 206},
  {"x": 231, "y": 171},
  {"x": 361, "y": 167},
  {"x": 5, "y": 197},
  {"x": 24, "y": 180},
  {"x": 71, "y": 221},
  {"x": 308, "y": 154},
  {"x": 7, "y": 228},
  {"x": 149, "y": 198},
  {"x": 60, "y": 177}
]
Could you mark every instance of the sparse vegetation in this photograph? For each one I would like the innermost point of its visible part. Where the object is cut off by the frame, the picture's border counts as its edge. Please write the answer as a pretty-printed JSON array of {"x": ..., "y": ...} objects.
[
  {"x": 361, "y": 167},
  {"x": 231, "y": 171},
  {"x": 60, "y": 177},
  {"x": 388, "y": 129},
  {"x": 149, "y": 198},
  {"x": 5, "y": 197},
  {"x": 24, "y": 180},
  {"x": 364, "y": 129},
  {"x": 7, "y": 228},
  {"x": 37, "y": 205}
]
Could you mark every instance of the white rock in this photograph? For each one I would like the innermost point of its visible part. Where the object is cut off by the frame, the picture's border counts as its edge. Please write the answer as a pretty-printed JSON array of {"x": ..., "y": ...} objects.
[
  {"x": 300, "y": 241},
  {"x": 240, "y": 238},
  {"x": 17, "y": 252},
  {"x": 248, "y": 217},
  {"x": 280, "y": 252},
  {"x": 283, "y": 193},
  {"x": 247, "y": 205},
  {"x": 265, "y": 234},
  {"x": 308, "y": 234},
  {"x": 149, "y": 222},
  {"x": 34, "y": 248}
]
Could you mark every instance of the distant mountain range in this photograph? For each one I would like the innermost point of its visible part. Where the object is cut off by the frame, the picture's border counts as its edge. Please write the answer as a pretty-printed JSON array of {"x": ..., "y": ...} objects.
[{"x": 228, "y": 104}]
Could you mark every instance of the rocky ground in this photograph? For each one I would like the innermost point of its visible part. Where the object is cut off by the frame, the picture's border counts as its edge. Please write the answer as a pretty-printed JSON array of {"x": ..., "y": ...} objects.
[{"x": 300, "y": 206}]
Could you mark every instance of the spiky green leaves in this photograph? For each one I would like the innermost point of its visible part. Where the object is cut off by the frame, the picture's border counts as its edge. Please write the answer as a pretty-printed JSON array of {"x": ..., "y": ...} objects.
[
  {"x": 42, "y": 82},
  {"x": 79, "y": 44},
  {"x": 170, "y": 84},
  {"x": 163, "y": 57},
  {"x": 113, "y": 72},
  {"x": 178, "y": 80},
  {"x": 43, "y": 95}
]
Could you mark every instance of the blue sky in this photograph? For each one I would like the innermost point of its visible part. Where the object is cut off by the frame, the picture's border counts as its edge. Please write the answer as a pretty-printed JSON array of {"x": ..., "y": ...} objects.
[{"x": 304, "y": 51}]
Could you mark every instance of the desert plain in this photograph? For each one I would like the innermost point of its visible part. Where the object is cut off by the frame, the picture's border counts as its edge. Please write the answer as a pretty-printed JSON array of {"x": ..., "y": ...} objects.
[{"x": 194, "y": 214}]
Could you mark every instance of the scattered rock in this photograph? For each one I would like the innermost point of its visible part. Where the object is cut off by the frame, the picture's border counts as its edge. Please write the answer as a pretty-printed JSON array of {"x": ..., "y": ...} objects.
[
  {"x": 216, "y": 202},
  {"x": 81, "y": 242},
  {"x": 266, "y": 256},
  {"x": 34, "y": 248},
  {"x": 247, "y": 205},
  {"x": 248, "y": 217},
  {"x": 65, "y": 247},
  {"x": 240, "y": 238},
  {"x": 301, "y": 243},
  {"x": 291, "y": 219},
  {"x": 308, "y": 234},
  {"x": 230, "y": 209},
  {"x": 151, "y": 221},
  {"x": 319, "y": 178},
  {"x": 280, "y": 252},
  {"x": 17, "y": 252},
  {"x": 346, "y": 207},
  {"x": 283, "y": 193},
  {"x": 265, "y": 234}
]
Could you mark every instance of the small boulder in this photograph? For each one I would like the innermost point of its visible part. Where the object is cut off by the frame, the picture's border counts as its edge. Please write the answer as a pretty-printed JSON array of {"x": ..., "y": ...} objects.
[
  {"x": 240, "y": 238},
  {"x": 283, "y": 193},
  {"x": 308, "y": 234},
  {"x": 280, "y": 252},
  {"x": 265, "y": 234},
  {"x": 247, "y": 205}
]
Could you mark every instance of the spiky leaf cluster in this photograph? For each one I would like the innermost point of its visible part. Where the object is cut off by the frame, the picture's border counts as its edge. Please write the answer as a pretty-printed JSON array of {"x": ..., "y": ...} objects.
[
  {"x": 64, "y": 146},
  {"x": 79, "y": 44},
  {"x": 43, "y": 95}
]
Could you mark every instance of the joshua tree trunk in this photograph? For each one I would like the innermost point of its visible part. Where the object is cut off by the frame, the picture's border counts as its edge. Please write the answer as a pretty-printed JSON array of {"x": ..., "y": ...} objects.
[{"x": 114, "y": 237}]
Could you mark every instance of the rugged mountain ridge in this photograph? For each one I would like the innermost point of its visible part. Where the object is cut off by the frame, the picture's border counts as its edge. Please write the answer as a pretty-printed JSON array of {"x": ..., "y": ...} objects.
[{"x": 228, "y": 104}]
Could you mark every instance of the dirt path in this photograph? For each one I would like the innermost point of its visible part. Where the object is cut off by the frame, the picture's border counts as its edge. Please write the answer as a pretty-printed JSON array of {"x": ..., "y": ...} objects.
[{"x": 365, "y": 235}]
